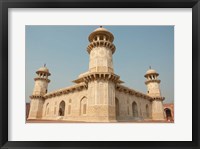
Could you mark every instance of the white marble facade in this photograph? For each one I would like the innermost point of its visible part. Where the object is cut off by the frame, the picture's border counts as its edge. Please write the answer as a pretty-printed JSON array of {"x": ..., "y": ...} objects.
[{"x": 98, "y": 94}]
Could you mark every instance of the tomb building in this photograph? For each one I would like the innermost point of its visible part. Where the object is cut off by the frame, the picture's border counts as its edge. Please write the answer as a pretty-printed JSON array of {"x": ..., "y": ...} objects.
[{"x": 97, "y": 95}]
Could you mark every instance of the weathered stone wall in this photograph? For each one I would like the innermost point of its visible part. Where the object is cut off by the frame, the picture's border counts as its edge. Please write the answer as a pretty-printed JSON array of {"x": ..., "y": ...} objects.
[
  {"x": 99, "y": 103},
  {"x": 157, "y": 110},
  {"x": 101, "y": 95},
  {"x": 36, "y": 107},
  {"x": 126, "y": 107},
  {"x": 72, "y": 105}
]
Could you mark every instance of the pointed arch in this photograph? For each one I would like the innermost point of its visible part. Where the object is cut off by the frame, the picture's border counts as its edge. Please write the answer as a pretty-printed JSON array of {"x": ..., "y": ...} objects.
[
  {"x": 135, "y": 109},
  {"x": 62, "y": 108},
  {"x": 83, "y": 106},
  {"x": 168, "y": 113}
]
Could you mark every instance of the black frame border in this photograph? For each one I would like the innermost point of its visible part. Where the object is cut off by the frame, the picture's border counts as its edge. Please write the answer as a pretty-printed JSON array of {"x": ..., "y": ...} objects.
[{"x": 6, "y": 4}]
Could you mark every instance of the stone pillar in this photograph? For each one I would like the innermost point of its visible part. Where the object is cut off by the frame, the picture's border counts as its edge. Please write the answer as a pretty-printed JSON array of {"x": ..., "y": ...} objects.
[
  {"x": 157, "y": 110},
  {"x": 101, "y": 104},
  {"x": 36, "y": 107}
]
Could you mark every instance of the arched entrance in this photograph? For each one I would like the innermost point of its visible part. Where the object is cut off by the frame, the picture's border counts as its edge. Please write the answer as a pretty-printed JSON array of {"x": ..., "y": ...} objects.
[
  {"x": 116, "y": 107},
  {"x": 147, "y": 111},
  {"x": 168, "y": 114},
  {"x": 135, "y": 109},
  {"x": 62, "y": 108}
]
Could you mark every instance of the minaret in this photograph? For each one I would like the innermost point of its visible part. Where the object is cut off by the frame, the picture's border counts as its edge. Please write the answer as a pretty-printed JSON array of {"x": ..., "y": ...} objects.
[
  {"x": 40, "y": 89},
  {"x": 153, "y": 90},
  {"x": 101, "y": 79},
  {"x": 101, "y": 48}
]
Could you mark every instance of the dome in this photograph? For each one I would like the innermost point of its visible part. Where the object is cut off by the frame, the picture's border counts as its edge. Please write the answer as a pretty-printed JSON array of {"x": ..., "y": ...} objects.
[
  {"x": 101, "y": 31},
  {"x": 43, "y": 69},
  {"x": 151, "y": 71}
]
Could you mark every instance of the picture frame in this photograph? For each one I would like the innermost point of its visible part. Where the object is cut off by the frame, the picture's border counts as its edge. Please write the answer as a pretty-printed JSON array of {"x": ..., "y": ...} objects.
[{"x": 6, "y": 4}]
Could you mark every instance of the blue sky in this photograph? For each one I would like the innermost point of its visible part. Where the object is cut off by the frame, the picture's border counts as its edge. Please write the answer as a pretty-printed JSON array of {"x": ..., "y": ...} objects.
[{"x": 63, "y": 49}]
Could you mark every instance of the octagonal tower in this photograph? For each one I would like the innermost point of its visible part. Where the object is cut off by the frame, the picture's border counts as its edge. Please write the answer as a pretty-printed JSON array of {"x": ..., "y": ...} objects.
[
  {"x": 153, "y": 90},
  {"x": 101, "y": 48},
  {"x": 40, "y": 89}
]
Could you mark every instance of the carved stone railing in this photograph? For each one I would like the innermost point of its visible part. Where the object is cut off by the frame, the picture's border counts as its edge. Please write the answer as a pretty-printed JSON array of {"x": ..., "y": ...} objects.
[
  {"x": 147, "y": 81},
  {"x": 42, "y": 79},
  {"x": 101, "y": 43},
  {"x": 107, "y": 76}
]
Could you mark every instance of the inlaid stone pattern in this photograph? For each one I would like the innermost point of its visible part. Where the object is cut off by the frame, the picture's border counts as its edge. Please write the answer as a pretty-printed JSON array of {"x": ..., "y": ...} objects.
[
  {"x": 98, "y": 94},
  {"x": 101, "y": 60}
]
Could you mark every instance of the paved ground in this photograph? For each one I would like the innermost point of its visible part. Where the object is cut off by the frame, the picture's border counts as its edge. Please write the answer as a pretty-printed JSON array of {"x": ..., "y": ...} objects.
[{"x": 64, "y": 121}]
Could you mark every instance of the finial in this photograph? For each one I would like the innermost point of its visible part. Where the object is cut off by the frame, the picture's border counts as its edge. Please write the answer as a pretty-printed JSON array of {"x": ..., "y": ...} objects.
[
  {"x": 44, "y": 64},
  {"x": 149, "y": 67},
  {"x": 101, "y": 26}
]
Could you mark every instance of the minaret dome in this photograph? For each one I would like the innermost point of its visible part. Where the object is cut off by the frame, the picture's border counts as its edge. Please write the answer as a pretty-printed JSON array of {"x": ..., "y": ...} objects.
[
  {"x": 101, "y": 34},
  {"x": 151, "y": 74},
  {"x": 41, "y": 81},
  {"x": 43, "y": 72}
]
